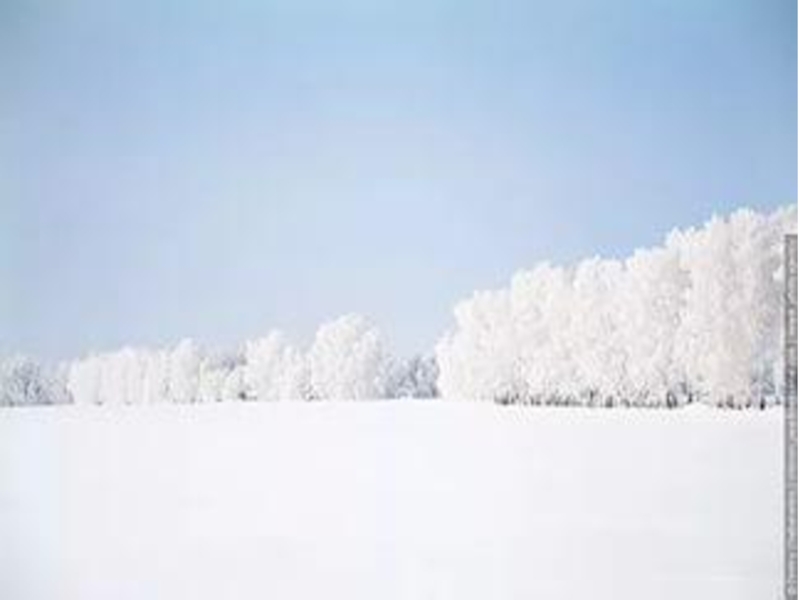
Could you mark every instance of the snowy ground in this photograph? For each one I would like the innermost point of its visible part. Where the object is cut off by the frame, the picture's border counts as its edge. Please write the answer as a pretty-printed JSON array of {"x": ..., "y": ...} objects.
[{"x": 389, "y": 500}]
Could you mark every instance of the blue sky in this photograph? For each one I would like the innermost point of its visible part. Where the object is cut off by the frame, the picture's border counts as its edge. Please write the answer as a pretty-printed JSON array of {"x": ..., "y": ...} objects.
[{"x": 216, "y": 170}]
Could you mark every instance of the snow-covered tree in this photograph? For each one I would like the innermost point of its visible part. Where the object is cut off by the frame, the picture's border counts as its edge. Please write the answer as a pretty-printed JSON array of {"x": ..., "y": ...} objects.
[
  {"x": 479, "y": 361},
  {"x": 83, "y": 380},
  {"x": 781, "y": 222},
  {"x": 110, "y": 378},
  {"x": 730, "y": 328},
  {"x": 274, "y": 370},
  {"x": 698, "y": 318},
  {"x": 184, "y": 372},
  {"x": 594, "y": 335},
  {"x": 541, "y": 305},
  {"x": 413, "y": 378},
  {"x": 347, "y": 361},
  {"x": 760, "y": 257},
  {"x": 24, "y": 381},
  {"x": 155, "y": 379},
  {"x": 651, "y": 302},
  {"x": 215, "y": 369},
  {"x": 233, "y": 387}
]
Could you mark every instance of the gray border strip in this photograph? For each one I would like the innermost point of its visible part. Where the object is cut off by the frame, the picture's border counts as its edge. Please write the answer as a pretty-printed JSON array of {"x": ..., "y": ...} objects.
[{"x": 790, "y": 411}]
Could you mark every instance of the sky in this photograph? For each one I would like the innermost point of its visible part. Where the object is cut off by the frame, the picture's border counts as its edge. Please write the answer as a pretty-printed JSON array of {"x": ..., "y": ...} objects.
[{"x": 175, "y": 169}]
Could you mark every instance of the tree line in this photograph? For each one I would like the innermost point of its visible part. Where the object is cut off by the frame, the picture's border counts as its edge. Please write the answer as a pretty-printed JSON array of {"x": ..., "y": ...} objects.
[{"x": 696, "y": 319}]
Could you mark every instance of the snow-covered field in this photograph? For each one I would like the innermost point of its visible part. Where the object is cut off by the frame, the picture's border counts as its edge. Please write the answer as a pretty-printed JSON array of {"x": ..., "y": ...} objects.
[{"x": 395, "y": 499}]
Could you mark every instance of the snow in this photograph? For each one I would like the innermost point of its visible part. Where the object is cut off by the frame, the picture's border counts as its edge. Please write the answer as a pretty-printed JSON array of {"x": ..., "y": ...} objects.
[{"x": 395, "y": 499}]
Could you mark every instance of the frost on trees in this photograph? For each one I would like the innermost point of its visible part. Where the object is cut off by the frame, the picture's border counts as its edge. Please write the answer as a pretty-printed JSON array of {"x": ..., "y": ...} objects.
[
  {"x": 110, "y": 378},
  {"x": 136, "y": 376},
  {"x": 598, "y": 356},
  {"x": 184, "y": 372},
  {"x": 24, "y": 381},
  {"x": 729, "y": 337},
  {"x": 347, "y": 361},
  {"x": 697, "y": 319},
  {"x": 478, "y": 360},
  {"x": 155, "y": 384},
  {"x": 541, "y": 305},
  {"x": 413, "y": 378},
  {"x": 275, "y": 371},
  {"x": 651, "y": 301},
  {"x": 220, "y": 377},
  {"x": 233, "y": 387}
]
